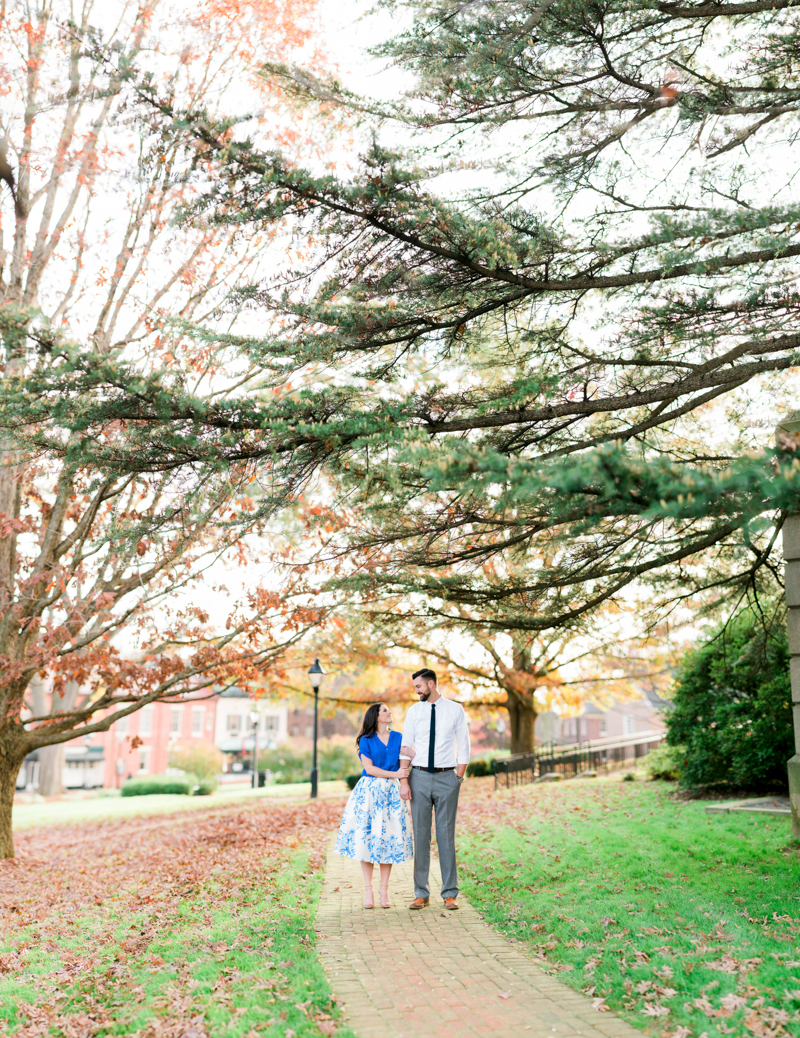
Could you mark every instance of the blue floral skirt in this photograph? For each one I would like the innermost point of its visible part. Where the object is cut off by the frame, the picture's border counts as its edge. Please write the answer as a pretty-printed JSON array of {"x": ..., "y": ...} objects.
[{"x": 375, "y": 825}]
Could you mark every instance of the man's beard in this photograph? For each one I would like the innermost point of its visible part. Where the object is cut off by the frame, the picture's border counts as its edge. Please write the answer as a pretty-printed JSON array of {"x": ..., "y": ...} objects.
[{"x": 426, "y": 697}]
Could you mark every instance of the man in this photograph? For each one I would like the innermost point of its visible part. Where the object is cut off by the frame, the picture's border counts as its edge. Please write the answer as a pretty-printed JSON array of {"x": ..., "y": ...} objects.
[{"x": 436, "y": 741}]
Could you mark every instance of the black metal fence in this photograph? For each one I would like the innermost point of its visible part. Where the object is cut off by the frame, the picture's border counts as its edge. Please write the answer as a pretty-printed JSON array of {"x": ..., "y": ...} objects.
[
  {"x": 514, "y": 770},
  {"x": 569, "y": 761}
]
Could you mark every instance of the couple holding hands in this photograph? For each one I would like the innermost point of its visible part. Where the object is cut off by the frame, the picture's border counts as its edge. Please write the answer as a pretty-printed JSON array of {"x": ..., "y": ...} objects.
[{"x": 424, "y": 766}]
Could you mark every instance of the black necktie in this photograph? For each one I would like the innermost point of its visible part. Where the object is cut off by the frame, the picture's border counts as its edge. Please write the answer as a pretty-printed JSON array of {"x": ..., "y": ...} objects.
[{"x": 432, "y": 740}]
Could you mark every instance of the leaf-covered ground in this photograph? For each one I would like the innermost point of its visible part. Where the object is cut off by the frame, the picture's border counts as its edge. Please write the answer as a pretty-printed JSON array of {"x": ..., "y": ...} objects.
[
  {"x": 189, "y": 926},
  {"x": 684, "y": 923},
  {"x": 199, "y": 924}
]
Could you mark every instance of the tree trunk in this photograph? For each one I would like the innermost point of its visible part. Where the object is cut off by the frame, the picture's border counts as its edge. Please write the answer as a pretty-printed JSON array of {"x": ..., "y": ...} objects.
[
  {"x": 51, "y": 769},
  {"x": 521, "y": 704},
  {"x": 51, "y": 758},
  {"x": 10, "y": 764},
  {"x": 522, "y": 720}
]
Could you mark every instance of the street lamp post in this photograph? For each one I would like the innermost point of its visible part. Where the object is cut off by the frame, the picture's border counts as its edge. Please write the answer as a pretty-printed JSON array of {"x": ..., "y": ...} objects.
[
  {"x": 254, "y": 723},
  {"x": 315, "y": 675}
]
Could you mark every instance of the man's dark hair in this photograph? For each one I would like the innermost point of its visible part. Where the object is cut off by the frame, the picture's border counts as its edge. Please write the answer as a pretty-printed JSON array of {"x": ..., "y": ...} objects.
[{"x": 426, "y": 672}]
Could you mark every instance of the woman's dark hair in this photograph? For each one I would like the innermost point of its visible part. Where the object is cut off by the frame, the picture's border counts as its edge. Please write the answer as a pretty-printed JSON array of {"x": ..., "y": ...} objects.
[{"x": 369, "y": 725}]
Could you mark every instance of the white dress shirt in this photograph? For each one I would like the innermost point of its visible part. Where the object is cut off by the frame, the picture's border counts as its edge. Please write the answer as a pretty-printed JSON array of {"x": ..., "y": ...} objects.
[{"x": 451, "y": 731}]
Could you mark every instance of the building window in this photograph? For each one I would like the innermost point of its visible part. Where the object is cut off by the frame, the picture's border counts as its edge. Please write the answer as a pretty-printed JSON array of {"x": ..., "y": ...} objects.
[
  {"x": 198, "y": 713},
  {"x": 174, "y": 721},
  {"x": 146, "y": 721},
  {"x": 603, "y": 727},
  {"x": 234, "y": 724},
  {"x": 627, "y": 725},
  {"x": 272, "y": 723},
  {"x": 144, "y": 760},
  {"x": 122, "y": 727}
]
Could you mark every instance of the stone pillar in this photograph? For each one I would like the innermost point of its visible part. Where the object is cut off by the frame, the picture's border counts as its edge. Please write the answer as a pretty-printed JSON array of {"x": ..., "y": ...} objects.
[{"x": 791, "y": 553}]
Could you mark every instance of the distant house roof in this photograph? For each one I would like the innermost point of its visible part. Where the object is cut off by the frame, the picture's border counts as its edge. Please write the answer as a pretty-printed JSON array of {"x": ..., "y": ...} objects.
[
  {"x": 654, "y": 699},
  {"x": 590, "y": 708},
  {"x": 233, "y": 693},
  {"x": 649, "y": 696}
]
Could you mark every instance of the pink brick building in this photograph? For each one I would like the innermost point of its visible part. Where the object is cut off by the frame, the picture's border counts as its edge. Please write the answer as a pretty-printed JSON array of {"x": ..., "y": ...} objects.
[
  {"x": 140, "y": 743},
  {"x": 160, "y": 727}
]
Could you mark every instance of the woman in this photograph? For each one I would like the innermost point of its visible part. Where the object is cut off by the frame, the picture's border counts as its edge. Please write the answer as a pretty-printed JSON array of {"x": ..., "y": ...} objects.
[{"x": 375, "y": 828}]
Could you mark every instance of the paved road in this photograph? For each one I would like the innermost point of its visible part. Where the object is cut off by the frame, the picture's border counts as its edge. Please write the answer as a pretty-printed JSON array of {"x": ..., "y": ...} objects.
[{"x": 377, "y": 963}]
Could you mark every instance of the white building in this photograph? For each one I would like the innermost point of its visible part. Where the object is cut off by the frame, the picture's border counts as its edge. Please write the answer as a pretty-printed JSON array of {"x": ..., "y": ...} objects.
[{"x": 233, "y": 729}]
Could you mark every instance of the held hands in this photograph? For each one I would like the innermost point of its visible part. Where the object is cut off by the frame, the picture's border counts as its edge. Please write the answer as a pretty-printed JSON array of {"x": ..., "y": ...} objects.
[
  {"x": 402, "y": 771},
  {"x": 407, "y": 751}
]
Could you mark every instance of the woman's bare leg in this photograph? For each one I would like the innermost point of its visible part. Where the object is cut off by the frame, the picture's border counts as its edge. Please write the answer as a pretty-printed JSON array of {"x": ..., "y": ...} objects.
[
  {"x": 369, "y": 897},
  {"x": 386, "y": 871}
]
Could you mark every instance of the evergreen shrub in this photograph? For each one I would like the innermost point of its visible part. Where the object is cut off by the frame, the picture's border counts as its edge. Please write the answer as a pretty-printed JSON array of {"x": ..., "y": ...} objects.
[
  {"x": 664, "y": 763},
  {"x": 732, "y": 706},
  {"x": 479, "y": 768}
]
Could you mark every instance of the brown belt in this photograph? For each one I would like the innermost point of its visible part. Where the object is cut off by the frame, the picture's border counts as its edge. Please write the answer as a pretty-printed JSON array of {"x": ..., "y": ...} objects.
[{"x": 417, "y": 767}]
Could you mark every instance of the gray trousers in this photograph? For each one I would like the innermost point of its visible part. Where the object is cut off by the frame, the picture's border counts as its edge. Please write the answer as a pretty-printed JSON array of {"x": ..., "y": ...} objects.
[{"x": 438, "y": 792}]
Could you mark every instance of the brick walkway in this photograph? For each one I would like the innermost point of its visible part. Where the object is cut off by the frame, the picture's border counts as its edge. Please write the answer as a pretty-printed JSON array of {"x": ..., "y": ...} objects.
[{"x": 379, "y": 963}]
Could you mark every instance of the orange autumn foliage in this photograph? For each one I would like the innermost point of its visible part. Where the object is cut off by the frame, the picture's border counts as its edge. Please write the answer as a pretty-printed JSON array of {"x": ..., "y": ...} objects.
[{"x": 110, "y": 581}]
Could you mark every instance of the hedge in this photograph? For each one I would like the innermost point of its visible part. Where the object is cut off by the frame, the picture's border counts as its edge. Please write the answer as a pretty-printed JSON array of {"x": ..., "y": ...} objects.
[{"x": 142, "y": 787}]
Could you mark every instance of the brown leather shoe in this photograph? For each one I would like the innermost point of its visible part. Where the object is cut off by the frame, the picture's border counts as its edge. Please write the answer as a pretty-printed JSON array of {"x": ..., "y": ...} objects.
[
  {"x": 418, "y": 903},
  {"x": 451, "y": 904}
]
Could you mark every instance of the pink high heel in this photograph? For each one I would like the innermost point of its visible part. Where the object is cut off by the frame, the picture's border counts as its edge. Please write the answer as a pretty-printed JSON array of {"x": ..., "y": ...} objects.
[
  {"x": 372, "y": 900},
  {"x": 385, "y": 898}
]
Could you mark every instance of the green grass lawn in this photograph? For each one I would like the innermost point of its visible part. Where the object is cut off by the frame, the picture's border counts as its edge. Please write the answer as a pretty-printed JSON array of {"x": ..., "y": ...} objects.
[
  {"x": 57, "y": 812},
  {"x": 686, "y": 924},
  {"x": 198, "y": 927},
  {"x": 200, "y": 924}
]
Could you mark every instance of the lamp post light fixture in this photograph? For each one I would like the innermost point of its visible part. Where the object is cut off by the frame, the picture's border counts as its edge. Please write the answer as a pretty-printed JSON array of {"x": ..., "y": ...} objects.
[
  {"x": 254, "y": 715},
  {"x": 315, "y": 676}
]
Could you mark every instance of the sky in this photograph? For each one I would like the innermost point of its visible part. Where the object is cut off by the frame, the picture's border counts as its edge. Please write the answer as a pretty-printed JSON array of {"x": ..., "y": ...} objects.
[{"x": 349, "y": 29}]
